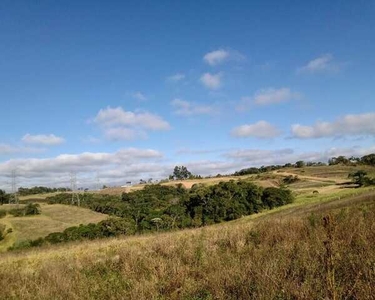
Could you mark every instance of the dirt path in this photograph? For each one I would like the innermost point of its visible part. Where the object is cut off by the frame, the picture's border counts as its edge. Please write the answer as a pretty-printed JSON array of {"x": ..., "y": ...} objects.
[{"x": 312, "y": 178}]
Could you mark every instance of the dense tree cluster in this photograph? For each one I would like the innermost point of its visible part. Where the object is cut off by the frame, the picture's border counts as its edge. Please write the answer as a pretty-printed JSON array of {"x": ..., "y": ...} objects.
[
  {"x": 158, "y": 207},
  {"x": 364, "y": 160},
  {"x": 39, "y": 190}
]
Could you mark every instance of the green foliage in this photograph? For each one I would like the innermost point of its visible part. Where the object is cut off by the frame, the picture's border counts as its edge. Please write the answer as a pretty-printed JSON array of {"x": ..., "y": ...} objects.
[
  {"x": 360, "y": 177},
  {"x": 29, "y": 210},
  {"x": 39, "y": 190},
  {"x": 159, "y": 207},
  {"x": 107, "y": 228},
  {"x": 368, "y": 159},
  {"x": 273, "y": 197},
  {"x": 181, "y": 173},
  {"x": 4, "y": 197},
  {"x": 300, "y": 164}
]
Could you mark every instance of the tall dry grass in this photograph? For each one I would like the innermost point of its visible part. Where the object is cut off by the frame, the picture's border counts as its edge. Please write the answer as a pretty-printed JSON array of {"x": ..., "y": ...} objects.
[{"x": 321, "y": 255}]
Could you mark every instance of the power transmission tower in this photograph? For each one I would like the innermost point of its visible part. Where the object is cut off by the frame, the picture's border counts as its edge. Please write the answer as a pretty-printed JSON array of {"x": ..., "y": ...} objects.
[
  {"x": 73, "y": 187},
  {"x": 14, "y": 197}
]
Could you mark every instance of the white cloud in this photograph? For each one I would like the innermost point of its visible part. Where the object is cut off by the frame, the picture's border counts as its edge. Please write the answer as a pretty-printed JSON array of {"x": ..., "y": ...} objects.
[
  {"x": 268, "y": 96},
  {"x": 211, "y": 81},
  {"x": 83, "y": 162},
  {"x": 274, "y": 96},
  {"x": 132, "y": 164},
  {"x": 261, "y": 129},
  {"x": 186, "y": 108},
  {"x": 259, "y": 157},
  {"x": 139, "y": 96},
  {"x": 120, "y": 124},
  {"x": 176, "y": 77},
  {"x": 349, "y": 125},
  {"x": 118, "y": 116},
  {"x": 220, "y": 56},
  {"x": 322, "y": 63},
  {"x": 43, "y": 139},
  {"x": 216, "y": 57}
]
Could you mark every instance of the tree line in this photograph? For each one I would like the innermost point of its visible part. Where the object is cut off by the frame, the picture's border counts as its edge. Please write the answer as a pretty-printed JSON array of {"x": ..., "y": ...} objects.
[
  {"x": 162, "y": 208},
  {"x": 40, "y": 190},
  {"x": 368, "y": 160}
]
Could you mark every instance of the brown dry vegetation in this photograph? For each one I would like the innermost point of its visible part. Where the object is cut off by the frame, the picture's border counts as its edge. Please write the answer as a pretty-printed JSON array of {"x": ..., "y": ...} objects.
[
  {"x": 53, "y": 218},
  {"x": 316, "y": 251}
]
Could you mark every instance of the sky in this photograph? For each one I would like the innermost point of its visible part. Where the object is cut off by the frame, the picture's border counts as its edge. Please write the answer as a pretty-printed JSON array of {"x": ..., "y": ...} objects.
[{"x": 119, "y": 91}]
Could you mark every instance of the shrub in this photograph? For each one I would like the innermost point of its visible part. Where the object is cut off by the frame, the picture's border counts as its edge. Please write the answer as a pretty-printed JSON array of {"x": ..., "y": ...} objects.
[{"x": 29, "y": 210}]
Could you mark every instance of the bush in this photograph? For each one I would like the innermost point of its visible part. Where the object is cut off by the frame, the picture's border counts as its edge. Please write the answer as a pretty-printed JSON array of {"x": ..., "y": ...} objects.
[
  {"x": 290, "y": 179},
  {"x": 29, "y": 210}
]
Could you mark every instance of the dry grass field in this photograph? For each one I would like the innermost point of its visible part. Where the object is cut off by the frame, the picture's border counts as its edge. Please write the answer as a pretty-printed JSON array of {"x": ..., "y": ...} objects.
[
  {"x": 53, "y": 218},
  {"x": 312, "y": 177},
  {"x": 319, "y": 247},
  {"x": 299, "y": 252}
]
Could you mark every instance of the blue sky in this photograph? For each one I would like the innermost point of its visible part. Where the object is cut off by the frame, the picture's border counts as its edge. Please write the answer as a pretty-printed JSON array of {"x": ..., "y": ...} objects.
[{"x": 126, "y": 90}]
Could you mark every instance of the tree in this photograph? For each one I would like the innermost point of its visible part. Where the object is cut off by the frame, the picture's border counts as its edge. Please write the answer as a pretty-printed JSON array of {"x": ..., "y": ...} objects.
[
  {"x": 181, "y": 173},
  {"x": 4, "y": 197},
  {"x": 368, "y": 159},
  {"x": 300, "y": 164},
  {"x": 359, "y": 177}
]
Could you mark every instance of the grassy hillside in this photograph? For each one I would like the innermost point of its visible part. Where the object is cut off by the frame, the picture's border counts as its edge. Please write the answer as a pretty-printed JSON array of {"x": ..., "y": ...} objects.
[
  {"x": 319, "y": 247},
  {"x": 318, "y": 175},
  {"x": 53, "y": 218},
  {"x": 302, "y": 252}
]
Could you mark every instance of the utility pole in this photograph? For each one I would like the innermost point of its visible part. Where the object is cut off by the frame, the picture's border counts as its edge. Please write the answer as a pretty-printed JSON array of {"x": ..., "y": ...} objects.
[{"x": 73, "y": 187}]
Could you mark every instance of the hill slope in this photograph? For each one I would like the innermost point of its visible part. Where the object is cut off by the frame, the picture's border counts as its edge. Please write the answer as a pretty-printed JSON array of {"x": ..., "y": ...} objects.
[
  {"x": 301, "y": 251},
  {"x": 53, "y": 218}
]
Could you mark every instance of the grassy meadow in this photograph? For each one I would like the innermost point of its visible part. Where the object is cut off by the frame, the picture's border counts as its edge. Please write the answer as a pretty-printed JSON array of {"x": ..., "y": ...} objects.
[
  {"x": 319, "y": 247},
  {"x": 53, "y": 218}
]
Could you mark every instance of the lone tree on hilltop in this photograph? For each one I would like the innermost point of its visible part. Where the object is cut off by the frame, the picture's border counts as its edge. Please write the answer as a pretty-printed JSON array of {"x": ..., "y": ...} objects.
[{"x": 180, "y": 173}]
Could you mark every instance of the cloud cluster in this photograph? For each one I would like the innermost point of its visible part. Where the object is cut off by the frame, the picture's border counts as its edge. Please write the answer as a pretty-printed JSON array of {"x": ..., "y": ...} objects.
[
  {"x": 132, "y": 164},
  {"x": 211, "y": 81},
  {"x": 185, "y": 108},
  {"x": 119, "y": 124},
  {"x": 261, "y": 129},
  {"x": 349, "y": 125},
  {"x": 43, "y": 139}
]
